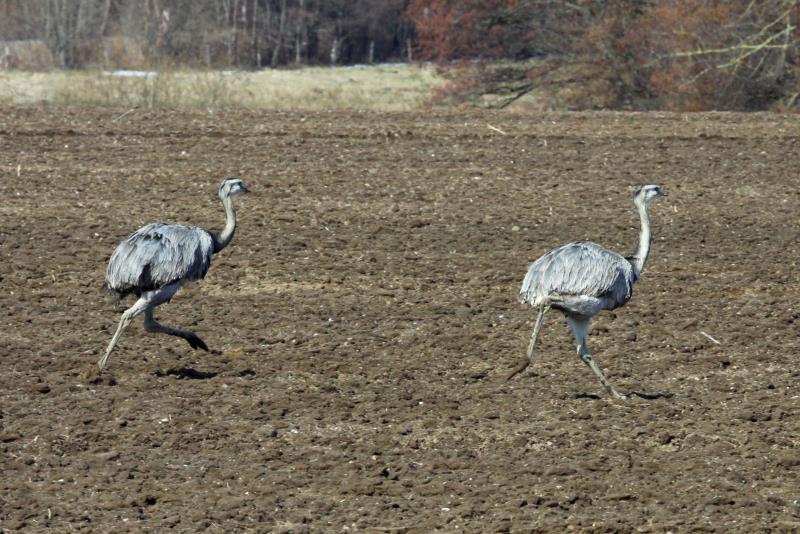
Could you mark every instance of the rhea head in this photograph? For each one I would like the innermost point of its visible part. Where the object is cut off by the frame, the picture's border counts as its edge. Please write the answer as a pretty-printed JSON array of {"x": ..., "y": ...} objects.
[
  {"x": 232, "y": 187},
  {"x": 647, "y": 193}
]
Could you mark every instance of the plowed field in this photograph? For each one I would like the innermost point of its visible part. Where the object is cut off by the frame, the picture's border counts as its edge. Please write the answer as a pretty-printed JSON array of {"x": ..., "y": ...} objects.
[{"x": 364, "y": 318}]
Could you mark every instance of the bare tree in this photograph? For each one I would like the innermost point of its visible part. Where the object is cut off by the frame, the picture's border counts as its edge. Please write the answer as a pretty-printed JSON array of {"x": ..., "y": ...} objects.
[
  {"x": 279, "y": 37},
  {"x": 731, "y": 55},
  {"x": 213, "y": 32}
]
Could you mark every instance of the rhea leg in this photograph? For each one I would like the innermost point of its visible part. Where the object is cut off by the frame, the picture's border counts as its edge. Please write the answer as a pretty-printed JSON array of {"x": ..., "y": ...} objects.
[
  {"x": 127, "y": 316},
  {"x": 543, "y": 307},
  {"x": 148, "y": 300},
  {"x": 151, "y": 325},
  {"x": 580, "y": 328}
]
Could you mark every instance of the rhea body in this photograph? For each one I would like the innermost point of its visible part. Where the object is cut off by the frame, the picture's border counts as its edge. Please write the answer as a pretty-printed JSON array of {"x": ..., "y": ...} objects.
[
  {"x": 155, "y": 260},
  {"x": 581, "y": 279}
]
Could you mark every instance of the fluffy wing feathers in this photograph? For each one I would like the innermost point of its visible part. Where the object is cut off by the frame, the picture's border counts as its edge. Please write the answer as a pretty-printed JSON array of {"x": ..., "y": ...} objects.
[
  {"x": 580, "y": 268},
  {"x": 158, "y": 254}
]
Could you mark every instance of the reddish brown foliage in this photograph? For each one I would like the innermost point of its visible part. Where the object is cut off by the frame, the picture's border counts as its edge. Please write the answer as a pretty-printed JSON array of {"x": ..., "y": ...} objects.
[
  {"x": 676, "y": 54},
  {"x": 712, "y": 54},
  {"x": 446, "y": 29}
]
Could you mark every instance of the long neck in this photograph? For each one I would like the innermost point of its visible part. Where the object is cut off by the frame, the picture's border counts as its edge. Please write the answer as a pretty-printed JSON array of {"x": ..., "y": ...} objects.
[
  {"x": 222, "y": 239},
  {"x": 643, "y": 250}
]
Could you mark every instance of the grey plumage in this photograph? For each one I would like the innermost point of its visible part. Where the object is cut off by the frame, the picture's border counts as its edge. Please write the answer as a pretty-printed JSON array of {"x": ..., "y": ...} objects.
[
  {"x": 158, "y": 254},
  {"x": 158, "y": 258},
  {"x": 581, "y": 268},
  {"x": 582, "y": 278}
]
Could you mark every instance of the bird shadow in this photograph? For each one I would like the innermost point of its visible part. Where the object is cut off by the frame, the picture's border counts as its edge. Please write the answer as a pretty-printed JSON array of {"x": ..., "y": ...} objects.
[
  {"x": 640, "y": 394},
  {"x": 102, "y": 378},
  {"x": 182, "y": 373},
  {"x": 651, "y": 395}
]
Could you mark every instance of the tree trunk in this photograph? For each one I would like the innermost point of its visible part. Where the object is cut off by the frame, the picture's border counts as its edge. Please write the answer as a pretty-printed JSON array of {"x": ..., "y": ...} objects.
[
  {"x": 279, "y": 41},
  {"x": 104, "y": 19},
  {"x": 254, "y": 55},
  {"x": 300, "y": 30},
  {"x": 266, "y": 31},
  {"x": 334, "y": 51},
  {"x": 232, "y": 37},
  {"x": 60, "y": 21}
]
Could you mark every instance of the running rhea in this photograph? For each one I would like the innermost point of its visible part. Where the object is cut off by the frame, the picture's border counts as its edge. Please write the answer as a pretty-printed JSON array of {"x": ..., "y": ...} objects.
[
  {"x": 581, "y": 279},
  {"x": 155, "y": 260}
]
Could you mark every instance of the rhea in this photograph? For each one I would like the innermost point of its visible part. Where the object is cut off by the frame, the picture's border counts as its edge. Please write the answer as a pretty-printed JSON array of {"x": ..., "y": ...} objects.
[
  {"x": 583, "y": 278},
  {"x": 155, "y": 260}
]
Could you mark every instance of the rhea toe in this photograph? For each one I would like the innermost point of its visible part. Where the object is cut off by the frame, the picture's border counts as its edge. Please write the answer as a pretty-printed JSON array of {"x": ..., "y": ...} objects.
[
  {"x": 581, "y": 279},
  {"x": 155, "y": 260}
]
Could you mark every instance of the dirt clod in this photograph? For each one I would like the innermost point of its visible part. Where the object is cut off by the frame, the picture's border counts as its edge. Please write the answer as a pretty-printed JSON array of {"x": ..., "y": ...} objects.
[{"x": 364, "y": 317}]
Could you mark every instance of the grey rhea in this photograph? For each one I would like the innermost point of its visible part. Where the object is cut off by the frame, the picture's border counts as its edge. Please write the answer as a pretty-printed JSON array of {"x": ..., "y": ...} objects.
[
  {"x": 581, "y": 279},
  {"x": 155, "y": 260}
]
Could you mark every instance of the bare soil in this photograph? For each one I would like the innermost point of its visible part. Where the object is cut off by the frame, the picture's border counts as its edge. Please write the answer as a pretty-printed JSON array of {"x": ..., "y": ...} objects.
[{"x": 365, "y": 316}]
